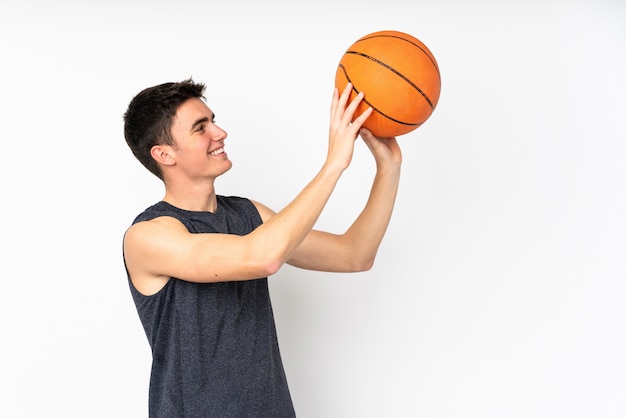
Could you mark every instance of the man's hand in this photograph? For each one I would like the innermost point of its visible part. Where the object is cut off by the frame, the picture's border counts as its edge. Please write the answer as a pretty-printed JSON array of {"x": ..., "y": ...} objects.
[
  {"x": 343, "y": 131},
  {"x": 385, "y": 150}
]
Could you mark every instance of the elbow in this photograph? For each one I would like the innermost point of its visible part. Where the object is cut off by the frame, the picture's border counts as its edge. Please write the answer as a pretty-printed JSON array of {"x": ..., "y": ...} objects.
[
  {"x": 269, "y": 265},
  {"x": 265, "y": 258},
  {"x": 368, "y": 265},
  {"x": 363, "y": 264}
]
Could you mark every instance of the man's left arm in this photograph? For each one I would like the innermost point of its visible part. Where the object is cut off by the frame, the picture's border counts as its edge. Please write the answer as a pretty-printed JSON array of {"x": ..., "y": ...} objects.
[{"x": 356, "y": 249}]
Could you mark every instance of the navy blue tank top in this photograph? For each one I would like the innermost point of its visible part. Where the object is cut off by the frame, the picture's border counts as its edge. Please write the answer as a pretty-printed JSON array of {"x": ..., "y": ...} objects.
[{"x": 214, "y": 346}]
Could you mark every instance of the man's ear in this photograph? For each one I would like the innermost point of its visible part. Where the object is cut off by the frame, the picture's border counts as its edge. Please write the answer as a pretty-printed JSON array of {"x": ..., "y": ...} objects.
[{"x": 163, "y": 154}]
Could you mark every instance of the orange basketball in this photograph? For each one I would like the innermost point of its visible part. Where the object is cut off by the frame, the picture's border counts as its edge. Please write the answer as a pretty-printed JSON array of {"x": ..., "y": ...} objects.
[{"x": 399, "y": 76}]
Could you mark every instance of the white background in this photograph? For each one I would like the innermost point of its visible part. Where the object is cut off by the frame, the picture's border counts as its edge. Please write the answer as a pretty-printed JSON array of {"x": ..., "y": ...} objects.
[{"x": 499, "y": 288}]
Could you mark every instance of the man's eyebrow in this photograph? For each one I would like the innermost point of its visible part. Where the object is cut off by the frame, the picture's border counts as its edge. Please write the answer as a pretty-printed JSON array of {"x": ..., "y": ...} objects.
[{"x": 201, "y": 121}]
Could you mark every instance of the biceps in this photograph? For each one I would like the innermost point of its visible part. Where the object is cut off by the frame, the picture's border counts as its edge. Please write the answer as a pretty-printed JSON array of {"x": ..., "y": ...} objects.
[
  {"x": 162, "y": 251},
  {"x": 265, "y": 212}
]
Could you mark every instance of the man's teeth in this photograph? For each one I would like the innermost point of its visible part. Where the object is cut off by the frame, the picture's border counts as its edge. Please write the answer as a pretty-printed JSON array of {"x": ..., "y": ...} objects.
[{"x": 217, "y": 151}]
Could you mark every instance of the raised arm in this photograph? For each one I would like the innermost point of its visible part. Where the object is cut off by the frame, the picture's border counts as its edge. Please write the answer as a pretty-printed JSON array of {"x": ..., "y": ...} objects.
[
  {"x": 355, "y": 250},
  {"x": 162, "y": 248}
]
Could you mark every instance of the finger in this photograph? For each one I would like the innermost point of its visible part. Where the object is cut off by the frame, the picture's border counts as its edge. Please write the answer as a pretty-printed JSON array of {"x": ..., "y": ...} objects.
[
  {"x": 348, "y": 116},
  {"x": 345, "y": 95},
  {"x": 338, "y": 107},
  {"x": 334, "y": 102},
  {"x": 366, "y": 134},
  {"x": 371, "y": 139},
  {"x": 372, "y": 142},
  {"x": 359, "y": 120}
]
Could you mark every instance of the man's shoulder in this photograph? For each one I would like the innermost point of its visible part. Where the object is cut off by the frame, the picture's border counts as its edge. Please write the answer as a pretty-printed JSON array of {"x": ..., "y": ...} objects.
[{"x": 156, "y": 210}]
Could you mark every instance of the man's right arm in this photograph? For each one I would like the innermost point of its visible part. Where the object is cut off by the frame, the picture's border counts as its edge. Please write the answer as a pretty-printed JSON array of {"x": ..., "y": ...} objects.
[{"x": 162, "y": 248}]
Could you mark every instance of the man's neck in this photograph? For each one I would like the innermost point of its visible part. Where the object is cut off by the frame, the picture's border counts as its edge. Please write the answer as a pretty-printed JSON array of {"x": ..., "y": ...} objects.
[{"x": 197, "y": 198}]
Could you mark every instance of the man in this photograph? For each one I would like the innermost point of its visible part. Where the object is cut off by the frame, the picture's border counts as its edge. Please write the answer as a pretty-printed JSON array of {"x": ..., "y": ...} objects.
[{"x": 198, "y": 262}]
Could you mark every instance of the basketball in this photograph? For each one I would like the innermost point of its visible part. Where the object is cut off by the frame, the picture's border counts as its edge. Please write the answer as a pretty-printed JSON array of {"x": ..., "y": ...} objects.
[{"x": 399, "y": 76}]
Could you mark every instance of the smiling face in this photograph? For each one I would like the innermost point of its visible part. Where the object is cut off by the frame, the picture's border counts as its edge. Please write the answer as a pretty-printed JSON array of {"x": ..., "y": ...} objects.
[{"x": 198, "y": 150}]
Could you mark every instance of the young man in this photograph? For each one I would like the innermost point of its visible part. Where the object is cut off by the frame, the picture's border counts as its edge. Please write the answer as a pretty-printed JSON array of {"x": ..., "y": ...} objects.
[{"x": 198, "y": 262}]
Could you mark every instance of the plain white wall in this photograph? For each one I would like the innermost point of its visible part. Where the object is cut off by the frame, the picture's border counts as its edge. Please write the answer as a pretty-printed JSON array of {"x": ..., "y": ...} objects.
[{"x": 499, "y": 289}]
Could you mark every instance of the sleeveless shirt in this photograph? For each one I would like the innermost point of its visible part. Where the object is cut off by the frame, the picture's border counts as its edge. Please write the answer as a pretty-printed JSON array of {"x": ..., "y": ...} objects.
[{"x": 214, "y": 346}]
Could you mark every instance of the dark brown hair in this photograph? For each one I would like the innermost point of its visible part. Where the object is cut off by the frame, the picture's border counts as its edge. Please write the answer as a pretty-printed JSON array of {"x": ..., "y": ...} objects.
[{"x": 148, "y": 119}]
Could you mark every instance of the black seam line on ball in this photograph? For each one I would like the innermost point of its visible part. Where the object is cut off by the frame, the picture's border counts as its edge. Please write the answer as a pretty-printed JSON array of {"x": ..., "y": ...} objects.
[
  {"x": 427, "y": 53},
  {"x": 395, "y": 72},
  {"x": 374, "y": 107}
]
